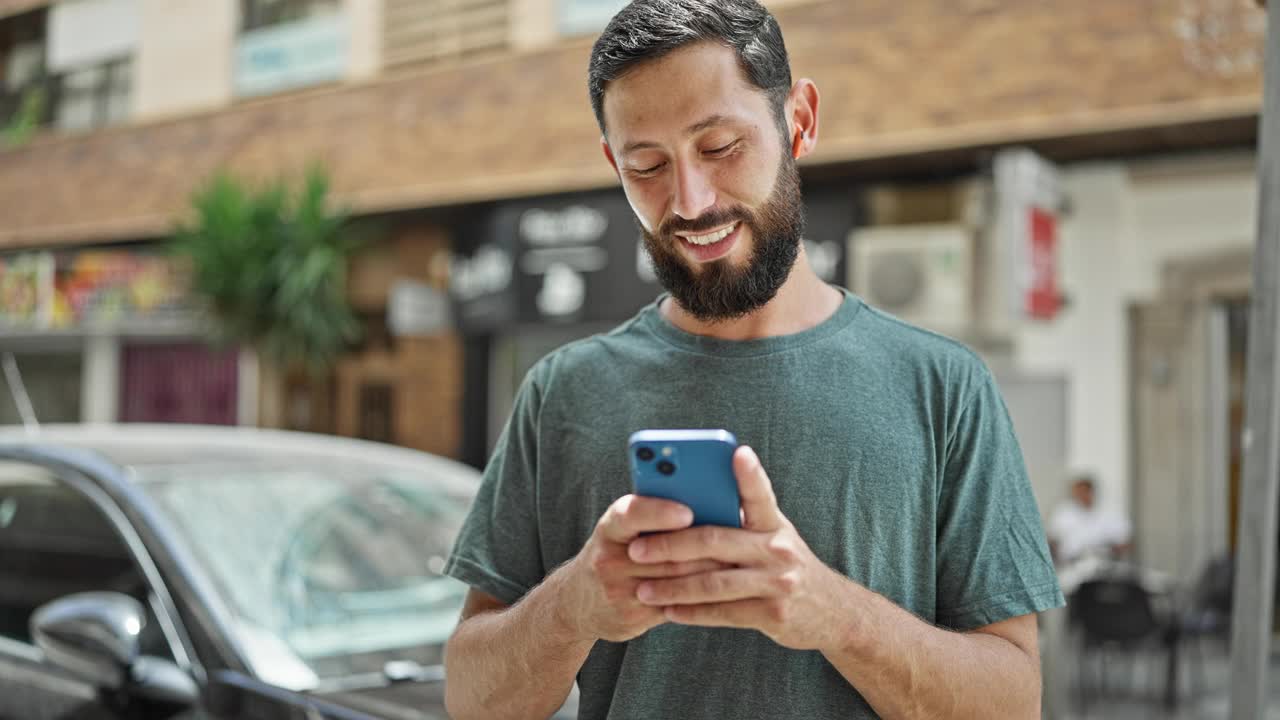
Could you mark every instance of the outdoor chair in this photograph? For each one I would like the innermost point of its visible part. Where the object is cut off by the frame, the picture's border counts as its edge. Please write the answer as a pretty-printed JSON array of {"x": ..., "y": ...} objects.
[
  {"x": 1207, "y": 614},
  {"x": 1114, "y": 618}
]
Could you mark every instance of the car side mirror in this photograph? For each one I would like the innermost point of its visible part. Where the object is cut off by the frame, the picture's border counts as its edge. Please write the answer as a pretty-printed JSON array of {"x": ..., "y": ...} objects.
[{"x": 94, "y": 636}]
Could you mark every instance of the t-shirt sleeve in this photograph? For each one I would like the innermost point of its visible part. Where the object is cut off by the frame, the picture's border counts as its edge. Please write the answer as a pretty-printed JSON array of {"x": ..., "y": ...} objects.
[
  {"x": 498, "y": 551},
  {"x": 993, "y": 559}
]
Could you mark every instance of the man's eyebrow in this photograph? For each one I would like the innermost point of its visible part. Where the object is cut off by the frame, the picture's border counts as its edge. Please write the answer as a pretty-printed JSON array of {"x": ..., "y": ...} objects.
[
  {"x": 695, "y": 128},
  {"x": 707, "y": 123}
]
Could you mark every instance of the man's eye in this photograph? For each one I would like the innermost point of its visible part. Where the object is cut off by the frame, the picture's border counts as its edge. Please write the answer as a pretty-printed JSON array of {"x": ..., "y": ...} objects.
[
  {"x": 721, "y": 151},
  {"x": 646, "y": 172}
]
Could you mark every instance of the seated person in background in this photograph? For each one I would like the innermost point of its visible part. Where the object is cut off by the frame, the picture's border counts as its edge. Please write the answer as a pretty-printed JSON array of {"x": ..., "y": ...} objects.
[{"x": 1079, "y": 529}]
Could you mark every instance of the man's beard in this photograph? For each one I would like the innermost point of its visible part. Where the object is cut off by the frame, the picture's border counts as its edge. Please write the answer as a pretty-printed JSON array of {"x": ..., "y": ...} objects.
[{"x": 721, "y": 291}]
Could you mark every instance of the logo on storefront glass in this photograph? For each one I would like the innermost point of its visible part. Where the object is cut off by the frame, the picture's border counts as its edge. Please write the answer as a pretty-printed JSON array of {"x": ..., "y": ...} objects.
[
  {"x": 488, "y": 272},
  {"x": 574, "y": 225}
]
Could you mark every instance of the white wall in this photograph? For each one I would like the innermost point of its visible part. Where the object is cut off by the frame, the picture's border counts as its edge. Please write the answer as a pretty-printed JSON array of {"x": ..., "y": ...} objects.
[
  {"x": 185, "y": 60},
  {"x": 364, "y": 18},
  {"x": 1129, "y": 219},
  {"x": 533, "y": 24},
  {"x": 100, "y": 385},
  {"x": 1192, "y": 208},
  {"x": 247, "y": 386}
]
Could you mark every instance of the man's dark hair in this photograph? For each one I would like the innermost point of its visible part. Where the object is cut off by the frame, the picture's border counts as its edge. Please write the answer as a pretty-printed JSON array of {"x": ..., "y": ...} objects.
[{"x": 649, "y": 29}]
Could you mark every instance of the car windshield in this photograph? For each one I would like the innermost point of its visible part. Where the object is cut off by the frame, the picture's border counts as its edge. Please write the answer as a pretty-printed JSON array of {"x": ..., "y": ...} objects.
[{"x": 326, "y": 565}]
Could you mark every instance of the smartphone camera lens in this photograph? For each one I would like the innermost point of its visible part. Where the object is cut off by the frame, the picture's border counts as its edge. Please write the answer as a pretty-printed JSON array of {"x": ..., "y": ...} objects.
[
  {"x": 644, "y": 454},
  {"x": 666, "y": 467}
]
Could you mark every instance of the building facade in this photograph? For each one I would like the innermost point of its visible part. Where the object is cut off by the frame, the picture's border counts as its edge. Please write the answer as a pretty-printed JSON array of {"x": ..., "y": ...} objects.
[{"x": 442, "y": 119}]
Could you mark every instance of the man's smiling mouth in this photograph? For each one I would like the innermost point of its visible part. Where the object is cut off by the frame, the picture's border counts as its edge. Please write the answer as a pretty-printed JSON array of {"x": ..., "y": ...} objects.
[{"x": 710, "y": 238}]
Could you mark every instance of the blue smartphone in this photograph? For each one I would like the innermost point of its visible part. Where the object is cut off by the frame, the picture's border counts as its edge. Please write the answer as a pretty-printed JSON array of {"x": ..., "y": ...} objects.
[{"x": 694, "y": 467}]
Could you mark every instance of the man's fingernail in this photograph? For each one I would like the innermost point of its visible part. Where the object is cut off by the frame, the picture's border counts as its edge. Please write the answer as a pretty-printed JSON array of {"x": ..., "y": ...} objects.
[
  {"x": 638, "y": 549},
  {"x": 644, "y": 592}
]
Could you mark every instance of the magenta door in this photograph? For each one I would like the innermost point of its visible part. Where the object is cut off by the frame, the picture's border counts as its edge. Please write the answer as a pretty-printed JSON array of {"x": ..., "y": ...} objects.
[{"x": 179, "y": 383}]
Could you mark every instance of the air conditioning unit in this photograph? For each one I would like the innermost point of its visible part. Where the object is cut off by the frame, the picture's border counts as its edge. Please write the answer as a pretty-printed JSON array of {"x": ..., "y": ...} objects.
[{"x": 922, "y": 274}]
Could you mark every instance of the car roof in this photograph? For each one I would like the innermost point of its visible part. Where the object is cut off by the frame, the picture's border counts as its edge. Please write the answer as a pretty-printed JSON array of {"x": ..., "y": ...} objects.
[{"x": 141, "y": 445}]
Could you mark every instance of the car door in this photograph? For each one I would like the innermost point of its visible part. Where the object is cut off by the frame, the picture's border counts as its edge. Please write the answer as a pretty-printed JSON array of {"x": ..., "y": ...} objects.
[
  {"x": 54, "y": 541},
  {"x": 235, "y": 696}
]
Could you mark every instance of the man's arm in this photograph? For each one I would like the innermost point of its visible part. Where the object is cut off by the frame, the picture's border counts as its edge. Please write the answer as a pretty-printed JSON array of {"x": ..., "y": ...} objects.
[
  {"x": 520, "y": 661},
  {"x": 497, "y": 649},
  {"x": 907, "y": 668},
  {"x": 904, "y": 667}
]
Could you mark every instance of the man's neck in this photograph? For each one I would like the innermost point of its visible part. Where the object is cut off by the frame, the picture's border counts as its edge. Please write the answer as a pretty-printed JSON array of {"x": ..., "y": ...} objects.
[{"x": 804, "y": 301}]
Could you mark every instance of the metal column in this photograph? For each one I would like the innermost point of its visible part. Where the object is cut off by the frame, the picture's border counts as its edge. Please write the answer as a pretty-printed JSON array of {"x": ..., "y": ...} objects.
[{"x": 1256, "y": 557}]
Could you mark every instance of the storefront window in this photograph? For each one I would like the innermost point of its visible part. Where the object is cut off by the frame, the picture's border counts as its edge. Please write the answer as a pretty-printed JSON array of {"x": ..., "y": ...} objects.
[
  {"x": 52, "y": 384},
  {"x": 95, "y": 96},
  {"x": 24, "y": 83}
]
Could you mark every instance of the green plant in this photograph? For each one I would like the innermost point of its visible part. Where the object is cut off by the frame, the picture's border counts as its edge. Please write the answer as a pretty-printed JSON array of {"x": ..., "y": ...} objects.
[
  {"x": 26, "y": 120},
  {"x": 271, "y": 265}
]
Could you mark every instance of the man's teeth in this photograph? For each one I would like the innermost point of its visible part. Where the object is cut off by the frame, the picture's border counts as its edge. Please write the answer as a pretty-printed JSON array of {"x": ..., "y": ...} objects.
[{"x": 710, "y": 238}]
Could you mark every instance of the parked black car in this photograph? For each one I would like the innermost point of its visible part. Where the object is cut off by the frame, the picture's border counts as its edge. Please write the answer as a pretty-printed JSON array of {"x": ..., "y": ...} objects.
[{"x": 194, "y": 572}]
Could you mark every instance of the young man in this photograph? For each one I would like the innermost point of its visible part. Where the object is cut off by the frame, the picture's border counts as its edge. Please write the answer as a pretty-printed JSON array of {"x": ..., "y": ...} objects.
[
  {"x": 1079, "y": 529},
  {"x": 892, "y": 559}
]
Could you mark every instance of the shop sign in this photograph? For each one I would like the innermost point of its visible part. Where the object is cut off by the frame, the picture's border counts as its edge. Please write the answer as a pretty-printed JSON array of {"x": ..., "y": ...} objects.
[
  {"x": 417, "y": 309},
  {"x": 1029, "y": 198},
  {"x": 109, "y": 287},
  {"x": 1042, "y": 298},
  {"x": 91, "y": 289},
  {"x": 560, "y": 248},
  {"x": 578, "y": 259},
  {"x": 293, "y": 55},
  {"x": 26, "y": 290},
  {"x": 480, "y": 283},
  {"x": 830, "y": 215},
  {"x": 574, "y": 225}
]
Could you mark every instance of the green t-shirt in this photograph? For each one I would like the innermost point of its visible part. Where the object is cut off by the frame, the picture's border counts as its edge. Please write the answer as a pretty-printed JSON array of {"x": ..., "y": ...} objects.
[{"x": 888, "y": 447}]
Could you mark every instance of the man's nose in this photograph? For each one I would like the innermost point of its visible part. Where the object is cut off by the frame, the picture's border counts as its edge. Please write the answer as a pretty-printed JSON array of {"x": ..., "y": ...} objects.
[{"x": 694, "y": 194}]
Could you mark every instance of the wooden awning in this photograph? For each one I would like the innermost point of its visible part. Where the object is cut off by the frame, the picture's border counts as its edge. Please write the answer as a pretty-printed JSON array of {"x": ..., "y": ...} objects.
[
  {"x": 17, "y": 7},
  {"x": 937, "y": 77}
]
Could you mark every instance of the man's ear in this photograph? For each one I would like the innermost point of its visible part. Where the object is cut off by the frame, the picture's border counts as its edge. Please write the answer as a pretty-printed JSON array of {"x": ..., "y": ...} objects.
[
  {"x": 608, "y": 155},
  {"x": 802, "y": 115}
]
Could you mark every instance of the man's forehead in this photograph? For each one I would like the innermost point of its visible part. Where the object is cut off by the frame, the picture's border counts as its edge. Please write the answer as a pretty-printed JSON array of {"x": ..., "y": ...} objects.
[{"x": 685, "y": 91}]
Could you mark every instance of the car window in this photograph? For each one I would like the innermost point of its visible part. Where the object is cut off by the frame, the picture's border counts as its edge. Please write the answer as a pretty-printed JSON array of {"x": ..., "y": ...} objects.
[
  {"x": 329, "y": 568},
  {"x": 55, "y": 542},
  {"x": 376, "y": 552}
]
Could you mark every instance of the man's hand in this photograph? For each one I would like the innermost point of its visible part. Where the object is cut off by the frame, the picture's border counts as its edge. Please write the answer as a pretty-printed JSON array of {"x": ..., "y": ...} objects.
[
  {"x": 601, "y": 601},
  {"x": 770, "y": 580}
]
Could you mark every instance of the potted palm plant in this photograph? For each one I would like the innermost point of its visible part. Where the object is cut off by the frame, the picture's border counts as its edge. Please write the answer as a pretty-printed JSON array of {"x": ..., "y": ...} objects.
[{"x": 269, "y": 264}]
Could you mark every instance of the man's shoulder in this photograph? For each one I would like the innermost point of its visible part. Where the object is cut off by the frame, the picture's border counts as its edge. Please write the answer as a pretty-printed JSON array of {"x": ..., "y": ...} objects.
[
  {"x": 915, "y": 349},
  {"x": 604, "y": 352}
]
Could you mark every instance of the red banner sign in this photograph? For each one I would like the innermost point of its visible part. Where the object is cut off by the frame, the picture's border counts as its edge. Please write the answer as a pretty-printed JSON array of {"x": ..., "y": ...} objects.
[{"x": 1041, "y": 299}]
